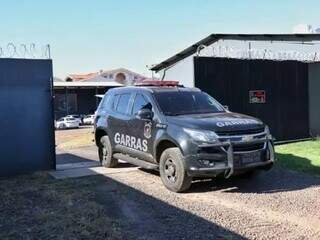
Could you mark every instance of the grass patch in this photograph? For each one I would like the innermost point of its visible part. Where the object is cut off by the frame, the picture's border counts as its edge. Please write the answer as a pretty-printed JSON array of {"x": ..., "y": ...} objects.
[{"x": 301, "y": 156}]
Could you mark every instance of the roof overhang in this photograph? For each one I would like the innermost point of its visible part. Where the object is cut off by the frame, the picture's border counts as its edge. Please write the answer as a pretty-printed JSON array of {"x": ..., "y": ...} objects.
[
  {"x": 241, "y": 37},
  {"x": 86, "y": 84}
]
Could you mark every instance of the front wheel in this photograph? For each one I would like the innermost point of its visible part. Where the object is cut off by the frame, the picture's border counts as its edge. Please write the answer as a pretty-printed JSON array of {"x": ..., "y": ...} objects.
[
  {"x": 172, "y": 171},
  {"x": 105, "y": 153}
]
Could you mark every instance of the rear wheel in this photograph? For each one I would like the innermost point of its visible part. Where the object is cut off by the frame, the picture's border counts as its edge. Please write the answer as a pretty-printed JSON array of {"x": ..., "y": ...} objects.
[
  {"x": 172, "y": 170},
  {"x": 105, "y": 153}
]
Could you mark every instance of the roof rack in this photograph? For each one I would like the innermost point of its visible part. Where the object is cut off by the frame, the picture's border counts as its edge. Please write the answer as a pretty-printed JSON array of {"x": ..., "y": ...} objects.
[{"x": 158, "y": 83}]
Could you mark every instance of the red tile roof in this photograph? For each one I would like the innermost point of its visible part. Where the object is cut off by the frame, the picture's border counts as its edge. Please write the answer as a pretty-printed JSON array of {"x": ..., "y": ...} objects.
[{"x": 81, "y": 77}]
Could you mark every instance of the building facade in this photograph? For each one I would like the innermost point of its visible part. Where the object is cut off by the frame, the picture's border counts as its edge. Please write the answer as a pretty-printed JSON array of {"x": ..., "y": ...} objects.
[
  {"x": 278, "y": 86},
  {"x": 77, "y": 94}
]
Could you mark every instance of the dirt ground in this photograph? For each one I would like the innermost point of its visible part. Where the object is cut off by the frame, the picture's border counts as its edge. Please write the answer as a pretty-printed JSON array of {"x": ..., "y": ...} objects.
[
  {"x": 134, "y": 205},
  {"x": 74, "y": 138},
  {"x": 279, "y": 204}
]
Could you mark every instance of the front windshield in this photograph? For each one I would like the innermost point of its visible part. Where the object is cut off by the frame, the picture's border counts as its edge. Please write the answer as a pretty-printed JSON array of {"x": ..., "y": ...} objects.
[{"x": 187, "y": 102}]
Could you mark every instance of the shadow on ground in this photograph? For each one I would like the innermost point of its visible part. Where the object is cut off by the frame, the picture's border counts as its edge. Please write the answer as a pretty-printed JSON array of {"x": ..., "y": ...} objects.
[
  {"x": 96, "y": 207},
  {"x": 275, "y": 180},
  {"x": 278, "y": 179},
  {"x": 65, "y": 158},
  {"x": 146, "y": 217},
  {"x": 293, "y": 162}
]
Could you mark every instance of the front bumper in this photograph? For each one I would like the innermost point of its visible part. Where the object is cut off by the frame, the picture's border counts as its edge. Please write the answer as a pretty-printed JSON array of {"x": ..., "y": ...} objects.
[{"x": 228, "y": 162}]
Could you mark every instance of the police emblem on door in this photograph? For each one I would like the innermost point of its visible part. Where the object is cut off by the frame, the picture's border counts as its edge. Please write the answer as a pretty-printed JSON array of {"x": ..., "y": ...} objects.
[{"x": 147, "y": 130}]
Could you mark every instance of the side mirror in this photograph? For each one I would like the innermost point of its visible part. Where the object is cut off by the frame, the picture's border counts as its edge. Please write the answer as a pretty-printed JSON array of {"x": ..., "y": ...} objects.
[
  {"x": 226, "y": 107},
  {"x": 145, "y": 114}
]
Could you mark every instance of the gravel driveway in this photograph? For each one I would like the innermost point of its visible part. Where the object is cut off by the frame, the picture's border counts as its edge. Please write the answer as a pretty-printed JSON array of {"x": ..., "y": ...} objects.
[{"x": 275, "y": 205}]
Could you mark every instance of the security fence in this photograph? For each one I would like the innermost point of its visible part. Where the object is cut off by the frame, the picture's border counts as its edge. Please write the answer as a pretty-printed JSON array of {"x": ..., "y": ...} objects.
[
  {"x": 230, "y": 52},
  {"x": 25, "y": 51}
]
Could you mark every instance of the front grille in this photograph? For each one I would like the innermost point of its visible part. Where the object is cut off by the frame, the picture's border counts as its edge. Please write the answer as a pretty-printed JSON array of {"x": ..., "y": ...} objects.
[
  {"x": 248, "y": 147},
  {"x": 240, "y": 132}
]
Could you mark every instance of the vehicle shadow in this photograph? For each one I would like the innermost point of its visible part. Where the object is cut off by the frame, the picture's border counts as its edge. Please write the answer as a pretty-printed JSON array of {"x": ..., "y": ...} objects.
[
  {"x": 276, "y": 180},
  {"x": 279, "y": 179},
  {"x": 69, "y": 158},
  {"x": 143, "y": 216}
]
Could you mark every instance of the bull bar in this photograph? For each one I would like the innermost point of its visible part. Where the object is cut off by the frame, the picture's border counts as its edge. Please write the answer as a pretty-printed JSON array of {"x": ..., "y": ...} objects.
[{"x": 227, "y": 147}]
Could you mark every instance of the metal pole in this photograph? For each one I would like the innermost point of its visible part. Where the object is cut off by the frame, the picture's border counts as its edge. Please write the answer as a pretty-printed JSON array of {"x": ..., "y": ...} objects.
[
  {"x": 49, "y": 51},
  {"x": 67, "y": 103},
  {"x": 97, "y": 97}
]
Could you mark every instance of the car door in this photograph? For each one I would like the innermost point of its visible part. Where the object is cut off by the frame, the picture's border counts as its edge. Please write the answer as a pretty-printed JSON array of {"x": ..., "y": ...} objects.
[
  {"x": 142, "y": 131},
  {"x": 118, "y": 121}
]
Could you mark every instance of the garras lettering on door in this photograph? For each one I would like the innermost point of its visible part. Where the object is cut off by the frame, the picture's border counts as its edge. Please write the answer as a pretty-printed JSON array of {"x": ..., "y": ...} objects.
[{"x": 131, "y": 142}]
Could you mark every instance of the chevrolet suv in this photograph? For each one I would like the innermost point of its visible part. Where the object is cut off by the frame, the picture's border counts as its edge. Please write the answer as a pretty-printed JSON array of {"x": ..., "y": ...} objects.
[{"x": 181, "y": 132}]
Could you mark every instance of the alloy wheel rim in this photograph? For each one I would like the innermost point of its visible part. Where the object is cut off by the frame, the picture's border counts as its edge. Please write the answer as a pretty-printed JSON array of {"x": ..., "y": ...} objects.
[{"x": 170, "y": 170}]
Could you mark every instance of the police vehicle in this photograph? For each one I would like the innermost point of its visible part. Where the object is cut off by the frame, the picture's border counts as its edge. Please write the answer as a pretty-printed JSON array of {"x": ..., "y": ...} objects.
[{"x": 182, "y": 132}]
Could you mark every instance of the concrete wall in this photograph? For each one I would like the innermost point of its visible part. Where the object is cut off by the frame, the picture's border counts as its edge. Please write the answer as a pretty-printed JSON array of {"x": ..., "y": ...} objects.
[
  {"x": 183, "y": 72},
  {"x": 314, "y": 98}
]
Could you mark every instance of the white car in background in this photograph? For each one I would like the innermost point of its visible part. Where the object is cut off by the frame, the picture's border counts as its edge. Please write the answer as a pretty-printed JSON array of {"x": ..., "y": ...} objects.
[
  {"x": 77, "y": 117},
  {"x": 67, "y": 122},
  {"x": 89, "y": 119}
]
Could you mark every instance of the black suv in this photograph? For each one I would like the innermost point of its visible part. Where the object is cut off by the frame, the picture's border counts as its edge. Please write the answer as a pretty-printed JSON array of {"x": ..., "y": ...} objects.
[{"x": 182, "y": 132}]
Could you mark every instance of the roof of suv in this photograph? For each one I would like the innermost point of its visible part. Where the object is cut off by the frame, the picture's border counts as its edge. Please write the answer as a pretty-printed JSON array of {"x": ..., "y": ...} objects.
[{"x": 156, "y": 89}]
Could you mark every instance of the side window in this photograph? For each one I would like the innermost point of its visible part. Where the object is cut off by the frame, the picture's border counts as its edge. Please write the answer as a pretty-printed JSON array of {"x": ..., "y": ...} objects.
[
  {"x": 115, "y": 102},
  {"x": 123, "y": 103},
  {"x": 140, "y": 102},
  {"x": 105, "y": 103}
]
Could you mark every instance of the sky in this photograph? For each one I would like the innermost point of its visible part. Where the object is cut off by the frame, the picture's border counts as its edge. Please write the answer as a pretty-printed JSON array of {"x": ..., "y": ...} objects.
[{"x": 86, "y": 36}]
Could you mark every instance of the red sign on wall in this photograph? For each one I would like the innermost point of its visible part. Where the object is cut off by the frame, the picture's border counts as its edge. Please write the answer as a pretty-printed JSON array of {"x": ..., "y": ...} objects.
[{"x": 257, "y": 96}]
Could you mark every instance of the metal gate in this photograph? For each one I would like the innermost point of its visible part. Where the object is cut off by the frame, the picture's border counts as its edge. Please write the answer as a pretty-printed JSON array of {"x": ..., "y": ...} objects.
[
  {"x": 284, "y": 85},
  {"x": 26, "y": 116}
]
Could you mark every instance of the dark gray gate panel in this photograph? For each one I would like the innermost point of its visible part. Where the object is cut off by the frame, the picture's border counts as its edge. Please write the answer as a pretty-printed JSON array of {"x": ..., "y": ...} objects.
[
  {"x": 314, "y": 98},
  {"x": 285, "y": 83},
  {"x": 26, "y": 116}
]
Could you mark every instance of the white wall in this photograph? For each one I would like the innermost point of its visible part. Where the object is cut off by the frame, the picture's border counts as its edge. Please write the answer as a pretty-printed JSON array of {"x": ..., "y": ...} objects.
[{"x": 183, "y": 72}]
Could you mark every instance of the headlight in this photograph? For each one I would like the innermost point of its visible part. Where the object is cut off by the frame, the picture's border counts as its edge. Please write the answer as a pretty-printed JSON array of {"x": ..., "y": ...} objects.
[{"x": 201, "y": 135}]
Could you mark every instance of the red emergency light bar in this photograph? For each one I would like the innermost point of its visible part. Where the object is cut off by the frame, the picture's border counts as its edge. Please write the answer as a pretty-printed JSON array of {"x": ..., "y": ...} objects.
[{"x": 158, "y": 83}]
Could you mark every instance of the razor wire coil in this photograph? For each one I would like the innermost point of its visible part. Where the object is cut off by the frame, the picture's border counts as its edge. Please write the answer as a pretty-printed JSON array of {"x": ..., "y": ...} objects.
[
  {"x": 267, "y": 54},
  {"x": 25, "y": 51}
]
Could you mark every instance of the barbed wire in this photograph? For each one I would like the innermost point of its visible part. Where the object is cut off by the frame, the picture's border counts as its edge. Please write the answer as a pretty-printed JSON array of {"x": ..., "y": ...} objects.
[
  {"x": 229, "y": 52},
  {"x": 25, "y": 51}
]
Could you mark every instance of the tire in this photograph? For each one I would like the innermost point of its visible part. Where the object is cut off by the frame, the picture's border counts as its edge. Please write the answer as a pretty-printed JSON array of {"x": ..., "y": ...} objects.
[
  {"x": 105, "y": 153},
  {"x": 172, "y": 170}
]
